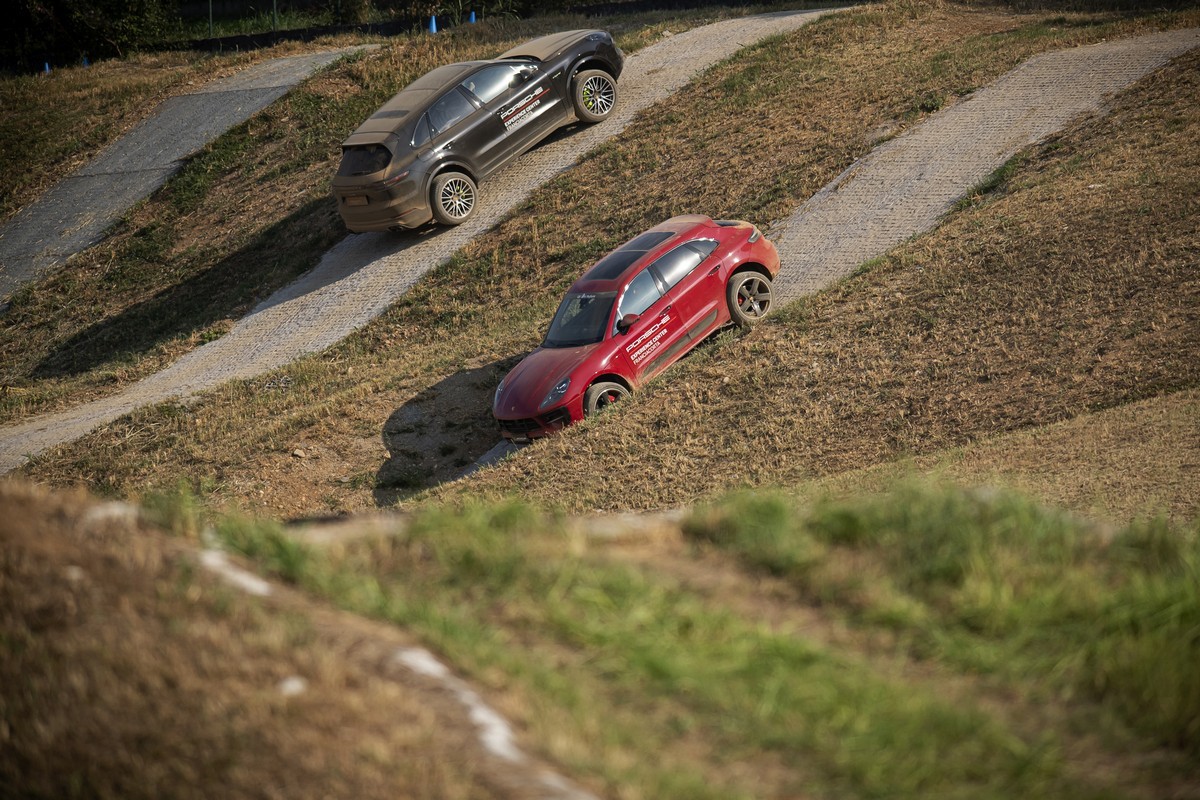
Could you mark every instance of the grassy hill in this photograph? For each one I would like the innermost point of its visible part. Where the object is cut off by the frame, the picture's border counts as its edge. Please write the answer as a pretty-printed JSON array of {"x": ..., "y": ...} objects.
[{"x": 857, "y": 603}]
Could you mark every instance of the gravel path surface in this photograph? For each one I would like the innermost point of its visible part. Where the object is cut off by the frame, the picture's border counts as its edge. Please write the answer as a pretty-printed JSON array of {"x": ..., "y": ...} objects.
[
  {"x": 74, "y": 214},
  {"x": 364, "y": 274},
  {"x": 904, "y": 186},
  {"x": 897, "y": 191}
]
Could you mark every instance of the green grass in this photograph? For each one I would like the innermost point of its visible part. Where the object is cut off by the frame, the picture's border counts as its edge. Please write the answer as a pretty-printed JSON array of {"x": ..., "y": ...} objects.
[
  {"x": 991, "y": 582},
  {"x": 605, "y": 661}
]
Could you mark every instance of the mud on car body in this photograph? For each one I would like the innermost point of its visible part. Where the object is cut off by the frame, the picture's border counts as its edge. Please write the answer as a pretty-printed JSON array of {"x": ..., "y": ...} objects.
[
  {"x": 422, "y": 155},
  {"x": 633, "y": 314}
]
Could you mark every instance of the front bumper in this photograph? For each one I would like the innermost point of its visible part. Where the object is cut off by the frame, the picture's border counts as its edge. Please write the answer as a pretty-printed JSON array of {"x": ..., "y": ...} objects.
[{"x": 528, "y": 428}]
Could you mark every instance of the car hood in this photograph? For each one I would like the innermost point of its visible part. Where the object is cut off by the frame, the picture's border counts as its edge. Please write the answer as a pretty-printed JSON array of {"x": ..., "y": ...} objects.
[{"x": 528, "y": 383}]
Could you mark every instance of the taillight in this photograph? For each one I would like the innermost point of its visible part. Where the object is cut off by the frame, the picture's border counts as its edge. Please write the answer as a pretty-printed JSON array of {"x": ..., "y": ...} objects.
[{"x": 392, "y": 181}]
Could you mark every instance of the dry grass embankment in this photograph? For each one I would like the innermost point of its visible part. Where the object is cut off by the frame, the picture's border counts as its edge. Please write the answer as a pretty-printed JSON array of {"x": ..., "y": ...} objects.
[
  {"x": 128, "y": 671},
  {"x": 420, "y": 378},
  {"x": 1069, "y": 288},
  {"x": 245, "y": 216}
]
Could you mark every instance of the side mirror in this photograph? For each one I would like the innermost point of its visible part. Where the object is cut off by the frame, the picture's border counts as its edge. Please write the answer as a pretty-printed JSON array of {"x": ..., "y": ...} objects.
[
  {"x": 524, "y": 74},
  {"x": 626, "y": 322}
]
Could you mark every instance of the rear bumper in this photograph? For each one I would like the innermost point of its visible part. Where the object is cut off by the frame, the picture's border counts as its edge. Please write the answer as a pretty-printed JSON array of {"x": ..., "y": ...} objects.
[{"x": 384, "y": 209}]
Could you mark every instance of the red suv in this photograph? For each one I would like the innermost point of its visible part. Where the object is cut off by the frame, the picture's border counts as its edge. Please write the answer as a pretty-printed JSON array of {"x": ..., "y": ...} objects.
[{"x": 632, "y": 315}]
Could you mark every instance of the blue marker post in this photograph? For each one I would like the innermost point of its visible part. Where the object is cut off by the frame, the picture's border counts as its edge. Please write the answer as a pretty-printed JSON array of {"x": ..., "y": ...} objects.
[
  {"x": 47, "y": 70},
  {"x": 472, "y": 18},
  {"x": 433, "y": 24}
]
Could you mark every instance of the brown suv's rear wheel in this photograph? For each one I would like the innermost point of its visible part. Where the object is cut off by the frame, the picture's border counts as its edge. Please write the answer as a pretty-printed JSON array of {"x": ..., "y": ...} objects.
[{"x": 453, "y": 197}]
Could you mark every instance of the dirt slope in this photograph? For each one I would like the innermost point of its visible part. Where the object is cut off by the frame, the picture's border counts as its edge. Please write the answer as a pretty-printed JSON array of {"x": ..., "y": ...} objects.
[
  {"x": 1072, "y": 289},
  {"x": 129, "y": 670}
]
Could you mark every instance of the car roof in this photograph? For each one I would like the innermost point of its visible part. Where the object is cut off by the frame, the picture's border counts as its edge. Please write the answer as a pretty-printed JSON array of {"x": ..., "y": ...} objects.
[
  {"x": 613, "y": 271},
  {"x": 410, "y": 102}
]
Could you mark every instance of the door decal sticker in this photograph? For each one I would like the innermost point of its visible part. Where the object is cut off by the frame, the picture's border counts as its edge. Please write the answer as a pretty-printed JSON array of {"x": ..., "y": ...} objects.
[
  {"x": 649, "y": 341},
  {"x": 522, "y": 110}
]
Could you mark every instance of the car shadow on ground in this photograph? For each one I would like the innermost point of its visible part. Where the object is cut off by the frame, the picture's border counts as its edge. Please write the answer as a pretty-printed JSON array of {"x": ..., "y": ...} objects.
[
  {"x": 439, "y": 434},
  {"x": 259, "y": 275}
]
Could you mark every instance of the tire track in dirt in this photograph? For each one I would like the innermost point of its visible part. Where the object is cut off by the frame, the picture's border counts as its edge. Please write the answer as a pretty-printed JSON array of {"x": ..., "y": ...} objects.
[{"x": 364, "y": 274}]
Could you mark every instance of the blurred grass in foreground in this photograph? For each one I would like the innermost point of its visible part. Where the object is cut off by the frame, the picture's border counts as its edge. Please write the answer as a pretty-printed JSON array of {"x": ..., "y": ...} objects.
[{"x": 602, "y": 662}]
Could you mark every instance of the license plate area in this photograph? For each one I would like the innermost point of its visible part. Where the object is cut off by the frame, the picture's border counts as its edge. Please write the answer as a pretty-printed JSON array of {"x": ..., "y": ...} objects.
[{"x": 356, "y": 200}]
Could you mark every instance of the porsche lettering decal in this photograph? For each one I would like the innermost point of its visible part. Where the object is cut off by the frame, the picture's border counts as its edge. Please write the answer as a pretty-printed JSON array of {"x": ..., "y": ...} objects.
[
  {"x": 522, "y": 110},
  {"x": 643, "y": 346}
]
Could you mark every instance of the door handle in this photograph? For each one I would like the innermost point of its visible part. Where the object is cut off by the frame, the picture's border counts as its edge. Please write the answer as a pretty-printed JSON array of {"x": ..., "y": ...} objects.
[{"x": 715, "y": 270}]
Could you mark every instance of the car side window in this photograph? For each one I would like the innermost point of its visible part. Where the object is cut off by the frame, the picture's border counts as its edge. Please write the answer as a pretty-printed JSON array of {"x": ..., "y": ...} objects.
[
  {"x": 421, "y": 134},
  {"x": 673, "y": 265},
  {"x": 639, "y": 295},
  {"x": 490, "y": 83},
  {"x": 452, "y": 108}
]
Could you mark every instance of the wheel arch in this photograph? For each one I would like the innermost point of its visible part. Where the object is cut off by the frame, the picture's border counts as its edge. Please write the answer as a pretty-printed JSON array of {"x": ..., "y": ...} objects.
[
  {"x": 450, "y": 166},
  {"x": 751, "y": 266},
  {"x": 609, "y": 377},
  {"x": 592, "y": 62}
]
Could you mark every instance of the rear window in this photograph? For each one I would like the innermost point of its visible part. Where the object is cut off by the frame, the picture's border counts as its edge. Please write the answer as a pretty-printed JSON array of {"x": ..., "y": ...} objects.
[{"x": 363, "y": 159}]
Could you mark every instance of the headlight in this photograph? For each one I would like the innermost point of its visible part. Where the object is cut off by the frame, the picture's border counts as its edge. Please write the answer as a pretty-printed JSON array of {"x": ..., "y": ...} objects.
[
  {"x": 556, "y": 393},
  {"x": 499, "y": 388}
]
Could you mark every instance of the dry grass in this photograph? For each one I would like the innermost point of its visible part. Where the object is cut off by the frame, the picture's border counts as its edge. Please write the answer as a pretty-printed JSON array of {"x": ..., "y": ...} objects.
[
  {"x": 461, "y": 325},
  {"x": 1119, "y": 464},
  {"x": 1072, "y": 291},
  {"x": 53, "y": 124},
  {"x": 126, "y": 672}
]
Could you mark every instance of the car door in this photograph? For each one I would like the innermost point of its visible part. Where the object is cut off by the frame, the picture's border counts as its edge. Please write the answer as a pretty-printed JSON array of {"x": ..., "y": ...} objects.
[
  {"x": 693, "y": 281},
  {"x": 530, "y": 108},
  {"x": 648, "y": 345},
  {"x": 463, "y": 131}
]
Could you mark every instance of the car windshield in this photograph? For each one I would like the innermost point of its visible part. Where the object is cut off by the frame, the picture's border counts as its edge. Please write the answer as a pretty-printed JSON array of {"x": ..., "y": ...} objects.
[{"x": 581, "y": 319}]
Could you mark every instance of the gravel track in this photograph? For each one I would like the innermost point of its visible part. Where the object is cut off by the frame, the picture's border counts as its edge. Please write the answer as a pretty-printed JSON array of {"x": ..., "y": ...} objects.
[
  {"x": 903, "y": 187},
  {"x": 896, "y": 192},
  {"x": 75, "y": 212},
  {"x": 364, "y": 274}
]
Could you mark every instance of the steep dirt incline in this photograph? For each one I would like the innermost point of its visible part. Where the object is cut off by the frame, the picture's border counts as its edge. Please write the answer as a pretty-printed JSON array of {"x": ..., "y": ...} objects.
[
  {"x": 364, "y": 274},
  {"x": 74, "y": 214}
]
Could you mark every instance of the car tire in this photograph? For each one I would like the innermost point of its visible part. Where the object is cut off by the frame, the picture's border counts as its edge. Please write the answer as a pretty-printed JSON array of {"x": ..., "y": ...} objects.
[
  {"x": 594, "y": 95},
  {"x": 749, "y": 297},
  {"x": 600, "y": 396},
  {"x": 453, "y": 197}
]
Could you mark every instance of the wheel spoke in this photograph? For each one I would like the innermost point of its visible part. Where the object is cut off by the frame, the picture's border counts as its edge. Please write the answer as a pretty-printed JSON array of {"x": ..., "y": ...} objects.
[
  {"x": 457, "y": 198},
  {"x": 598, "y": 95}
]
